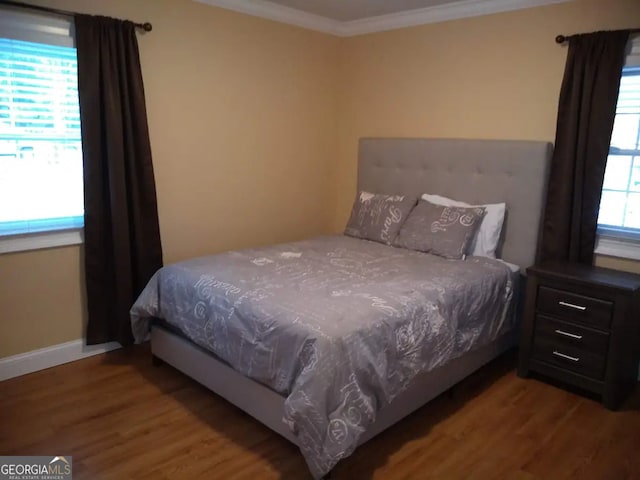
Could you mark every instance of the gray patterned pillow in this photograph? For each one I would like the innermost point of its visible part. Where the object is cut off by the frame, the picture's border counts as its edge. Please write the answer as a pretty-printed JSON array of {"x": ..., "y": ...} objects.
[
  {"x": 378, "y": 217},
  {"x": 441, "y": 230}
]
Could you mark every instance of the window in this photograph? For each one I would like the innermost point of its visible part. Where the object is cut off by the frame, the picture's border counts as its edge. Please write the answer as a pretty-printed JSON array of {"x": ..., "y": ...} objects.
[
  {"x": 619, "y": 216},
  {"x": 620, "y": 202},
  {"x": 40, "y": 142}
]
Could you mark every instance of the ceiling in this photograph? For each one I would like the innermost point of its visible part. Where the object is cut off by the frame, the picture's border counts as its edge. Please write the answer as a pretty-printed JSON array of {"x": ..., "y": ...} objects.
[
  {"x": 347, "y": 18},
  {"x": 348, "y": 10}
]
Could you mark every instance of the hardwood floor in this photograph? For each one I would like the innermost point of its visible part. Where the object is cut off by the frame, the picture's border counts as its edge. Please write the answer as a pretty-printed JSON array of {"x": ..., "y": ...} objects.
[{"x": 119, "y": 417}]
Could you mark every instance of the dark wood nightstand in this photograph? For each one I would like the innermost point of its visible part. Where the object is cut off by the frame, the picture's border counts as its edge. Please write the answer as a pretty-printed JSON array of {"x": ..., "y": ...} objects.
[{"x": 581, "y": 326}]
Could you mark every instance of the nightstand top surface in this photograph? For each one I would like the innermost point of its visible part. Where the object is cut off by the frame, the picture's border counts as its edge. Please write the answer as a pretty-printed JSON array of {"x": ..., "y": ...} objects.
[{"x": 588, "y": 274}]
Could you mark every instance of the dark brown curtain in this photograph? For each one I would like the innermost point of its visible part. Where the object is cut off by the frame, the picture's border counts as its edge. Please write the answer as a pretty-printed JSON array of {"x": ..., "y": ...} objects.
[
  {"x": 586, "y": 112},
  {"x": 121, "y": 234}
]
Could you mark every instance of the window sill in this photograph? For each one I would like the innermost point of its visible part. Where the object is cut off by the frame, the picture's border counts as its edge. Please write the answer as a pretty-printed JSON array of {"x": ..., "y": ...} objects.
[
  {"x": 618, "y": 247},
  {"x": 41, "y": 240}
]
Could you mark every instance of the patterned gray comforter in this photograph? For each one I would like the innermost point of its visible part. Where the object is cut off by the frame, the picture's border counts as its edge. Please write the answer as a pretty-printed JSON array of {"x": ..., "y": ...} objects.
[{"x": 337, "y": 325}]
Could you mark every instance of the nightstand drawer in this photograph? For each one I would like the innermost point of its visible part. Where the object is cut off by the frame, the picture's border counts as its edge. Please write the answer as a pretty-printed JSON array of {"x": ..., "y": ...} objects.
[
  {"x": 574, "y": 359},
  {"x": 563, "y": 334},
  {"x": 574, "y": 307}
]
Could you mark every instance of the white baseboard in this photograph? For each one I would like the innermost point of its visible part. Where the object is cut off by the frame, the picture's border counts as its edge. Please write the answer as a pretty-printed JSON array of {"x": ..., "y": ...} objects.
[{"x": 42, "y": 358}]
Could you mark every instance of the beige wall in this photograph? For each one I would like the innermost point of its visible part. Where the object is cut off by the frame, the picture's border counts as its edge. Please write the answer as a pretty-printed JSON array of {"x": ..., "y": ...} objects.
[
  {"x": 41, "y": 299},
  {"x": 242, "y": 116},
  {"x": 254, "y": 125}
]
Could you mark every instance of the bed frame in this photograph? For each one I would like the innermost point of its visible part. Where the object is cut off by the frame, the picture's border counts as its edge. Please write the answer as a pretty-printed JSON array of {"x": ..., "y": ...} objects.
[{"x": 476, "y": 171}]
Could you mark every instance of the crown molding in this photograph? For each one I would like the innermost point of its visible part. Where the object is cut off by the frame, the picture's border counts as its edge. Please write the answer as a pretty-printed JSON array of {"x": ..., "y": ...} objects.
[
  {"x": 438, "y": 13},
  {"x": 279, "y": 13},
  {"x": 409, "y": 18}
]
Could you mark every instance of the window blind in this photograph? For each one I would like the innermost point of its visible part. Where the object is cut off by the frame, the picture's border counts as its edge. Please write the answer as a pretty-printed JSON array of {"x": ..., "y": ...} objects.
[
  {"x": 40, "y": 140},
  {"x": 633, "y": 55},
  {"x": 626, "y": 129}
]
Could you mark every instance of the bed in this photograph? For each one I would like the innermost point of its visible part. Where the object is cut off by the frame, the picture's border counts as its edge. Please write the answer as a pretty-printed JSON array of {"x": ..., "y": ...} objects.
[{"x": 331, "y": 340}]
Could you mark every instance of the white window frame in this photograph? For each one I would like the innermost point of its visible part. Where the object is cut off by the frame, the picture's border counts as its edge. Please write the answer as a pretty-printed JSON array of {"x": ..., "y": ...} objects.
[
  {"x": 36, "y": 27},
  {"x": 41, "y": 240},
  {"x": 615, "y": 242}
]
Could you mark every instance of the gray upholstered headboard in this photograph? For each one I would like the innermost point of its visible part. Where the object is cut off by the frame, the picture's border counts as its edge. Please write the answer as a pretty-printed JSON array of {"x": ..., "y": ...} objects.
[{"x": 474, "y": 171}]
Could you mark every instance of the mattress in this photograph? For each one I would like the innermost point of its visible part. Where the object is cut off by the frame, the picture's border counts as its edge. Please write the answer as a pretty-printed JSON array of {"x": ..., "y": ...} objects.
[{"x": 337, "y": 325}]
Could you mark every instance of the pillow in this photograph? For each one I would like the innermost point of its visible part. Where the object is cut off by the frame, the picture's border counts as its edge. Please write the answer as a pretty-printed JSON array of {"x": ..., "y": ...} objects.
[
  {"x": 439, "y": 229},
  {"x": 378, "y": 217},
  {"x": 486, "y": 240}
]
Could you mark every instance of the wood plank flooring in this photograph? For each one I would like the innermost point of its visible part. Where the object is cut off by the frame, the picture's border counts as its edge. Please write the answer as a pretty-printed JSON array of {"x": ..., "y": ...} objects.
[{"x": 121, "y": 418}]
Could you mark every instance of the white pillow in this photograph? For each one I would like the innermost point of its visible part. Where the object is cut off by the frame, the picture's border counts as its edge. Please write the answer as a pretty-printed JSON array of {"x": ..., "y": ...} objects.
[{"x": 486, "y": 240}]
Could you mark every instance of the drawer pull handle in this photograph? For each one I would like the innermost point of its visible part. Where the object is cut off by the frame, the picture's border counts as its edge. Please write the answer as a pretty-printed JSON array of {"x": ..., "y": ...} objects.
[
  {"x": 570, "y": 335},
  {"x": 572, "y": 305},
  {"x": 568, "y": 357}
]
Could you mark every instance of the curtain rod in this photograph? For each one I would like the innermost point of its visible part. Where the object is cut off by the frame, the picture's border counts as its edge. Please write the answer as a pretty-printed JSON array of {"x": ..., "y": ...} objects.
[
  {"x": 564, "y": 38},
  {"x": 147, "y": 27}
]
